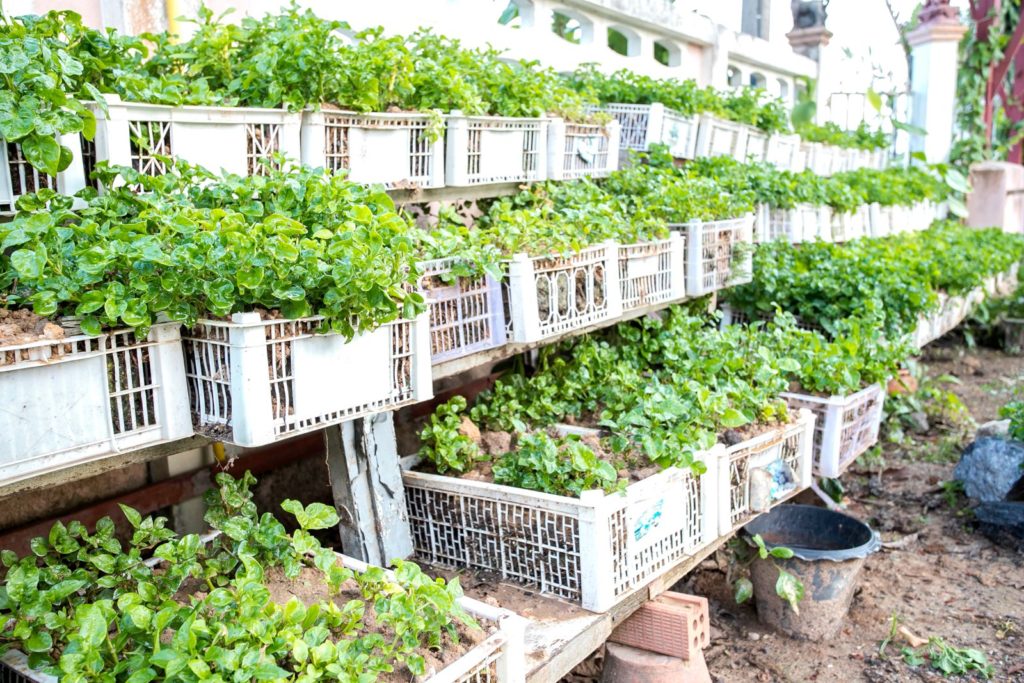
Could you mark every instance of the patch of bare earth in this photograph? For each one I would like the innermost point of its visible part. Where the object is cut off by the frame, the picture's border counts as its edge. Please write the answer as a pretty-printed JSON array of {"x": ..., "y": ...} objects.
[{"x": 939, "y": 576}]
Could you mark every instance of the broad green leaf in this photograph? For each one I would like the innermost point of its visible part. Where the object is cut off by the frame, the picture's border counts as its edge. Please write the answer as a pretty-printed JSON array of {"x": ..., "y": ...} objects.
[
  {"x": 744, "y": 590},
  {"x": 790, "y": 589}
]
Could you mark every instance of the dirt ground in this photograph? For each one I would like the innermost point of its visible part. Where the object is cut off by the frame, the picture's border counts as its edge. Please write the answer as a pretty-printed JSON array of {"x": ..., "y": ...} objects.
[{"x": 935, "y": 573}]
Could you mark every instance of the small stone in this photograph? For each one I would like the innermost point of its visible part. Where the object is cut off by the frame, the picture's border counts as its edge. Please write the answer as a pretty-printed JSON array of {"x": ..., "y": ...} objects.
[
  {"x": 496, "y": 443},
  {"x": 919, "y": 422},
  {"x": 467, "y": 428},
  {"x": 998, "y": 428},
  {"x": 754, "y": 636},
  {"x": 51, "y": 331}
]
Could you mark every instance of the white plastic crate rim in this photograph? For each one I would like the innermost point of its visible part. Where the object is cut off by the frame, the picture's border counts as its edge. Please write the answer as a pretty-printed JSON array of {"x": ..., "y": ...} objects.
[
  {"x": 254, "y": 381},
  {"x": 578, "y": 150},
  {"x": 880, "y": 220},
  {"x": 81, "y": 398},
  {"x": 466, "y": 313},
  {"x": 761, "y": 472},
  {"x": 643, "y": 125},
  {"x": 548, "y": 295},
  {"x": 845, "y": 426},
  {"x": 393, "y": 149},
  {"x": 591, "y": 550},
  {"x": 784, "y": 152},
  {"x": 494, "y": 149},
  {"x": 240, "y": 140},
  {"x": 18, "y": 177},
  {"x": 500, "y": 658},
  {"x": 652, "y": 272},
  {"x": 718, "y": 137},
  {"x": 718, "y": 253}
]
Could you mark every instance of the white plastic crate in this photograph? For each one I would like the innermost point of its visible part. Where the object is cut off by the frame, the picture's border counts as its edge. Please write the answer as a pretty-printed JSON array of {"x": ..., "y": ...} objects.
[
  {"x": 83, "y": 398},
  {"x": 252, "y": 382},
  {"x": 465, "y": 312},
  {"x": 579, "y": 150},
  {"x": 747, "y": 484},
  {"x": 234, "y": 139},
  {"x": 825, "y": 159},
  {"x": 592, "y": 550},
  {"x": 392, "y": 149},
  {"x": 547, "y": 295},
  {"x": 802, "y": 223},
  {"x": 784, "y": 152},
  {"x": 495, "y": 149},
  {"x": 18, "y": 177},
  {"x": 643, "y": 125},
  {"x": 804, "y": 158},
  {"x": 652, "y": 272},
  {"x": 755, "y": 144},
  {"x": 880, "y": 220},
  {"x": 844, "y": 428},
  {"x": 718, "y": 137},
  {"x": 718, "y": 253},
  {"x": 851, "y": 226},
  {"x": 500, "y": 658}
]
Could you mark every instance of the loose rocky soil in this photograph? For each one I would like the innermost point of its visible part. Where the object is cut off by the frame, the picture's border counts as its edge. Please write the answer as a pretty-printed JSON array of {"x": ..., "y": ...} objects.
[{"x": 937, "y": 574}]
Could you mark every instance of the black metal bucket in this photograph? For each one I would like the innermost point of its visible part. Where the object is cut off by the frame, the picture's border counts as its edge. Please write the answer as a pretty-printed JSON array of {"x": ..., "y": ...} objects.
[{"x": 829, "y": 549}]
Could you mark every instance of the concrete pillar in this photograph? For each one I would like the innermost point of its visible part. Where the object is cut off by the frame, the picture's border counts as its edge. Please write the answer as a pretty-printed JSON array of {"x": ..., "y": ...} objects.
[
  {"x": 933, "y": 82},
  {"x": 997, "y": 196},
  {"x": 718, "y": 76},
  {"x": 812, "y": 42}
]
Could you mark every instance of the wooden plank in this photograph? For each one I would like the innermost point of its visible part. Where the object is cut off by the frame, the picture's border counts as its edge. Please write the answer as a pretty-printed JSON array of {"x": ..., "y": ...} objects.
[
  {"x": 454, "y": 194},
  {"x": 114, "y": 461},
  {"x": 564, "y": 644},
  {"x": 366, "y": 482}
]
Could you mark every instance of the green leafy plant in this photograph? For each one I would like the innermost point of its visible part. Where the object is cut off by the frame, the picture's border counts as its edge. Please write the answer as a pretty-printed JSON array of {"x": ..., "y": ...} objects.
[
  {"x": 949, "y": 660},
  {"x": 562, "y": 466},
  {"x": 787, "y": 586},
  {"x": 83, "y": 607},
  {"x": 1014, "y": 412},
  {"x": 444, "y": 444},
  {"x": 190, "y": 245}
]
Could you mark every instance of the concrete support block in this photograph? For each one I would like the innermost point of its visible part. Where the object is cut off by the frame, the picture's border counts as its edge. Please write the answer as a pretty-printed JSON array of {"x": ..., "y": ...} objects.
[
  {"x": 624, "y": 664},
  {"x": 997, "y": 196}
]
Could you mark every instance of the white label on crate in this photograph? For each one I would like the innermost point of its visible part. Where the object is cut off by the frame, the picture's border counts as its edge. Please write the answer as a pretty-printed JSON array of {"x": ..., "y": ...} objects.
[
  {"x": 52, "y": 408},
  {"x": 586, "y": 148},
  {"x": 332, "y": 376},
  {"x": 380, "y": 155},
  {"x": 653, "y": 515},
  {"x": 501, "y": 153},
  {"x": 642, "y": 267},
  {"x": 215, "y": 146}
]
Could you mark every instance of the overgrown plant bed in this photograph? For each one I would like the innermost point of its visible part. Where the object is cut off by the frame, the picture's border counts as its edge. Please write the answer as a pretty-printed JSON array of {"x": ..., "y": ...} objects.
[
  {"x": 547, "y": 295},
  {"x": 763, "y": 470},
  {"x": 465, "y": 311},
  {"x": 580, "y": 150},
  {"x": 845, "y": 426},
  {"x": 643, "y": 125},
  {"x": 248, "y": 602},
  {"x": 494, "y": 149},
  {"x": 240, "y": 140},
  {"x": 718, "y": 253},
  {"x": 400, "y": 150},
  {"x": 70, "y": 397},
  {"x": 592, "y": 549},
  {"x": 258, "y": 378},
  {"x": 652, "y": 272}
]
